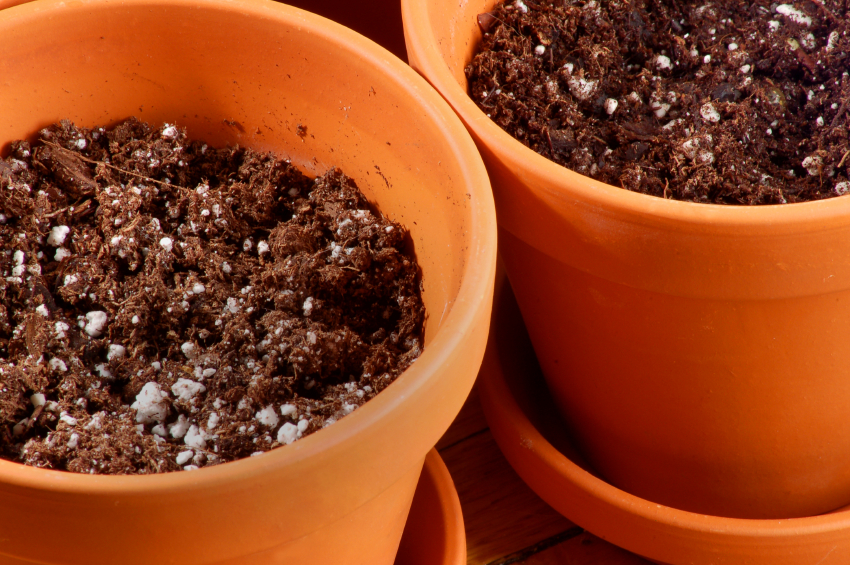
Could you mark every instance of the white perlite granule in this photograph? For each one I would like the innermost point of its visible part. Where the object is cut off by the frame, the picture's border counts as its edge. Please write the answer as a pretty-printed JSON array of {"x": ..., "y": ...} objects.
[
  {"x": 842, "y": 187},
  {"x": 95, "y": 323},
  {"x": 115, "y": 352},
  {"x": 179, "y": 428},
  {"x": 103, "y": 371},
  {"x": 166, "y": 243},
  {"x": 709, "y": 113},
  {"x": 19, "y": 268},
  {"x": 61, "y": 328},
  {"x": 194, "y": 437},
  {"x": 61, "y": 253},
  {"x": 213, "y": 420},
  {"x": 581, "y": 88},
  {"x": 813, "y": 164},
  {"x": 188, "y": 349},
  {"x": 794, "y": 14},
  {"x": 67, "y": 418},
  {"x": 169, "y": 131},
  {"x": 184, "y": 457},
  {"x": 57, "y": 235},
  {"x": 186, "y": 390},
  {"x": 267, "y": 417},
  {"x": 287, "y": 433},
  {"x": 151, "y": 404}
]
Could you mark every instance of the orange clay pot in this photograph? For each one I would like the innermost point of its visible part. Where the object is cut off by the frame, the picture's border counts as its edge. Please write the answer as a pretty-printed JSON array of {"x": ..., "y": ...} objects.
[
  {"x": 378, "y": 20},
  {"x": 526, "y": 425},
  {"x": 250, "y": 72},
  {"x": 698, "y": 353},
  {"x": 434, "y": 533}
]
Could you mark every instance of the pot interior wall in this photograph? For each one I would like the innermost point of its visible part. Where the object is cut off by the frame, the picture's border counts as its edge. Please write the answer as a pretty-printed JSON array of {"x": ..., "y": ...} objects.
[
  {"x": 234, "y": 79},
  {"x": 455, "y": 33}
]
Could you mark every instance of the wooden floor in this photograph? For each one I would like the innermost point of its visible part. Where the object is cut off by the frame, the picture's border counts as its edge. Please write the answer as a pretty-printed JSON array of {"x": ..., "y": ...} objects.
[{"x": 506, "y": 523}]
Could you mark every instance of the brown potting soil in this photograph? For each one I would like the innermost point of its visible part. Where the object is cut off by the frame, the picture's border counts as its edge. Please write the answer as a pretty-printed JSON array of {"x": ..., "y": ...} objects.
[
  {"x": 723, "y": 102},
  {"x": 166, "y": 305}
]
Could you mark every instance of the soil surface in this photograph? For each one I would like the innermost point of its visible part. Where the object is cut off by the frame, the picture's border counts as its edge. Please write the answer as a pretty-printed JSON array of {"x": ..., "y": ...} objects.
[
  {"x": 723, "y": 102},
  {"x": 165, "y": 305}
]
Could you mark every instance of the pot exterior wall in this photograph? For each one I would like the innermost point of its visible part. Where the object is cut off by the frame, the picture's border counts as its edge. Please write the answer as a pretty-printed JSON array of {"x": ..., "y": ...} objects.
[
  {"x": 747, "y": 397},
  {"x": 97, "y": 62},
  {"x": 697, "y": 352}
]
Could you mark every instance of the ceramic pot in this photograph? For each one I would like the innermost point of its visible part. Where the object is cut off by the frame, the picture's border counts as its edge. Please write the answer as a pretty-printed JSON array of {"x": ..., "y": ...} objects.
[
  {"x": 379, "y": 20},
  {"x": 697, "y": 352},
  {"x": 434, "y": 533},
  {"x": 528, "y": 428},
  {"x": 250, "y": 73}
]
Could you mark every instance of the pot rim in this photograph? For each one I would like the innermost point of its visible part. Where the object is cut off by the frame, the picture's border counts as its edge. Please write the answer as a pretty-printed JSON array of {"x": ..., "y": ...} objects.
[
  {"x": 475, "y": 285},
  {"x": 559, "y": 183}
]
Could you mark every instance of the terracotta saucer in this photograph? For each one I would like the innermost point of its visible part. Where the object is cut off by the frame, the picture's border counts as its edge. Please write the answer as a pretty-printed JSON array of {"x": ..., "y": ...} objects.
[
  {"x": 434, "y": 533},
  {"x": 527, "y": 427}
]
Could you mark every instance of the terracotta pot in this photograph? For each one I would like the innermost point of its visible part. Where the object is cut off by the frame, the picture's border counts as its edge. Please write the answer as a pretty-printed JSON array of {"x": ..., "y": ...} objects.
[
  {"x": 379, "y": 20},
  {"x": 342, "y": 494},
  {"x": 698, "y": 352},
  {"x": 527, "y": 426},
  {"x": 434, "y": 533}
]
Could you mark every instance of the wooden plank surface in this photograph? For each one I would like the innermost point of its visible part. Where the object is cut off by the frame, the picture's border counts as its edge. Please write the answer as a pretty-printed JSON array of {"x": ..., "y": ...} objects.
[
  {"x": 506, "y": 523},
  {"x": 584, "y": 549}
]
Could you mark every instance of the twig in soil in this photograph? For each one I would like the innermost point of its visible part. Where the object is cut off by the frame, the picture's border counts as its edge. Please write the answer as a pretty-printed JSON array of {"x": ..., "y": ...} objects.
[
  {"x": 844, "y": 158},
  {"x": 839, "y": 113},
  {"x": 77, "y": 208},
  {"x": 826, "y": 11},
  {"x": 113, "y": 167}
]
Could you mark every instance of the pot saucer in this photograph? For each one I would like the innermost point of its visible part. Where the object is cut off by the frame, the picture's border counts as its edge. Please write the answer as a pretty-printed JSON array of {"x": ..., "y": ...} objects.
[
  {"x": 527, "y": 427},
  {"x": 434, "y": 533}
]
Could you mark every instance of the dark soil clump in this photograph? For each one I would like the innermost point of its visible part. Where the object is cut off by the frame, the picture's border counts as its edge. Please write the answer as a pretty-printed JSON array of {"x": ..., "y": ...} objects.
[
  {"x": 166, "y": 305},
  {"x": 730, "y": 103}
]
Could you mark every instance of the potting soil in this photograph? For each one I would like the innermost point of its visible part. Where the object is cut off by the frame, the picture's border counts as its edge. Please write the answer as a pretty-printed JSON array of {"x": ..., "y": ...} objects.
[
  {"x": 166, "y": 305},
  {"x": 734, "y": 102}
]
